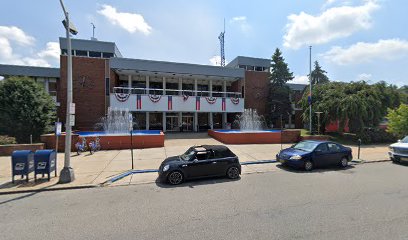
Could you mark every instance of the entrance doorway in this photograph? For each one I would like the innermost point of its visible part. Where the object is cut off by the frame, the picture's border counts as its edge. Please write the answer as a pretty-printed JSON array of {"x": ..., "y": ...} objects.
[
  {"x": 188, "y": 122},
  {"x": 172, "y": 124}
]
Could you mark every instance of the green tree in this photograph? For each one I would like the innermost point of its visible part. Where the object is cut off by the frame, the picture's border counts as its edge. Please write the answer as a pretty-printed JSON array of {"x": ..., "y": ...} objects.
[
  {"x": 398, "y": 121},
  {"x": 280, "y": 73},
  {"x": 357, "y": 104},
  {"x": 278, "y": 102},
  {"x": 319, "y": 75},
  {"x": 25, "y": 109}
]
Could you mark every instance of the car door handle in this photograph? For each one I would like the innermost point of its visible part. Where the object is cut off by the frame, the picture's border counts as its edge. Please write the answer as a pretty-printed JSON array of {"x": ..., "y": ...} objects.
[
  {"x": 184, "y": 165},
  {"x": 213, "y": 162}
]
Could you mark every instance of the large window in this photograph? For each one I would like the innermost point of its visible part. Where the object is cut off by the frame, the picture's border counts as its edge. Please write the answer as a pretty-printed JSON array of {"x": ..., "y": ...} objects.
[
  {"x": 82, "y": 53},
  {"x": 95, "y": 54}
]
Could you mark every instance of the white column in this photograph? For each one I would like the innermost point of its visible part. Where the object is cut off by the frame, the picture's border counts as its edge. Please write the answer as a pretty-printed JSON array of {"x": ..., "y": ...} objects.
[
  {"x": 129, "y": 81},
  {"x": 147, "y": 120},
  {"x": 224, "y": 120},
  {"x": 195, "y": 122},
  {"x": 46, "y": 85},
  {"x": 224, "y": 88},
  {"x": 147, "y": 83},
  {"x": 180, "y": 119},
  {"x": 180, "y": 85},
  {"x": 210, "y": 120},
  {"x": 210, "y": 87},
  {"x": 195, "y": 87},
  {"x": 164, "y": 122},
  {"x": 164, "y": 85}
]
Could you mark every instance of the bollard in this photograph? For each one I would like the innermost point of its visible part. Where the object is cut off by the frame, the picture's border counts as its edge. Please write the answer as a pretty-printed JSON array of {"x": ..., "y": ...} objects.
[{"x": 359, "y": 146}]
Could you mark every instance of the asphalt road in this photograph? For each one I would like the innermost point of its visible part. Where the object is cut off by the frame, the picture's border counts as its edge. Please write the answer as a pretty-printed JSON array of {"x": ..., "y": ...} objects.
[{"x": 368, "y": 201}]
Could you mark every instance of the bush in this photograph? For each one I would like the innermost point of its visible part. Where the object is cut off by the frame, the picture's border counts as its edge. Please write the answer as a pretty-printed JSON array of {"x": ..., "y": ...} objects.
[
  {"x": 4, "y": 140},
  {"x": 375, "y": 135},
  {"x": 398, "y": 121}
]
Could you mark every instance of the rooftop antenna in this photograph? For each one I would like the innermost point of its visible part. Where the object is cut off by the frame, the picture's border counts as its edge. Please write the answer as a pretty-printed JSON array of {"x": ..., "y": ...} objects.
[
  {"x": 93, "y": 32},
  {"x": 221, "y": 38}
]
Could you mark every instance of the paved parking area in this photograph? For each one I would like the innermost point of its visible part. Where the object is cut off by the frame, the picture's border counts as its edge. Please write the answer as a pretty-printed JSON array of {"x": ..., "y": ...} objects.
[{"x": 101, "y": 166}]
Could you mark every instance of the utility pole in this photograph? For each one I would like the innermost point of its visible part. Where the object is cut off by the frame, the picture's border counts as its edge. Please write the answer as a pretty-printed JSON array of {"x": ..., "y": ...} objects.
[
  {"x": 310, "y": 96},
  {"x": 93, "y": 31},
  {"x": 67, "y": 173}
]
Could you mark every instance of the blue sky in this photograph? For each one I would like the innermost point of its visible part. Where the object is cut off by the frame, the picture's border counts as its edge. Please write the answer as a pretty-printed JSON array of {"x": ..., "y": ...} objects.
[{"x": 352, "y": 39}]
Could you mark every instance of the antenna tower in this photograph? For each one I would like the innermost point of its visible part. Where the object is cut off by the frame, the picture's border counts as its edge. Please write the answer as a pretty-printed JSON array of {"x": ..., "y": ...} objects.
[{"x": 221, "y": 38}]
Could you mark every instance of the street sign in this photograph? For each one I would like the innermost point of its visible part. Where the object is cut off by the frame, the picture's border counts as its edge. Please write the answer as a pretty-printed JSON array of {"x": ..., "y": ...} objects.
[
  {"x": 72, "y": 108},
  {"x": 72, "y": 120},
  {"x": 58, "y": 128}
]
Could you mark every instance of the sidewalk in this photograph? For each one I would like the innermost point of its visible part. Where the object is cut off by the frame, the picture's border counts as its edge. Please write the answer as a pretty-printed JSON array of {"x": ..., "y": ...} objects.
[{"x": 94, "y": 170}]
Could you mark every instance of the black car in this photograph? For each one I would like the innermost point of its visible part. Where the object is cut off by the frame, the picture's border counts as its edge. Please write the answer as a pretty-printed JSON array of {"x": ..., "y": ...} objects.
[
  {"x": 312, "y": 154},
  {"x": 198, "y": 162}
]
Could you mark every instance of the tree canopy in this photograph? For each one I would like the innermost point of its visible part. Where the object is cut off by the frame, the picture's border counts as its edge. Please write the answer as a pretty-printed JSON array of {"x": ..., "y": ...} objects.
[
  {"x": 398, "y": 121},
  {"x": 25, "y": 109},
  {"x": 280, "y": 73},
  {"x": 357, "y": 104},
  {"x": 319, "y": 75}
]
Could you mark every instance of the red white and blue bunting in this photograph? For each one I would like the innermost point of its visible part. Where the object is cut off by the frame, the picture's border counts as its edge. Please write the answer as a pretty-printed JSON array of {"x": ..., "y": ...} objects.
[
  {"x": 154, "y": 98},
  {"x": 185, "y": 97},
  {"x": 235, "y": 100},
  {"x": 211, "y": 100},
  {"x": 122, "y": 97}
]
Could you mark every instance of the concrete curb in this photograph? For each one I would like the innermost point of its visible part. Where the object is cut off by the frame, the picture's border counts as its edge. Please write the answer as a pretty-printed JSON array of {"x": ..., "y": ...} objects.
[{"x": 48, "y": 189}]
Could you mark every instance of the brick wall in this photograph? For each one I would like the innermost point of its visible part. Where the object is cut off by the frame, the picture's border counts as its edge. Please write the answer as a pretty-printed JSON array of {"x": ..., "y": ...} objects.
[
  {"x": 7, "y": 150},
  {"x": 88, "y": 81},
  {"x": 256, "y": 91}
]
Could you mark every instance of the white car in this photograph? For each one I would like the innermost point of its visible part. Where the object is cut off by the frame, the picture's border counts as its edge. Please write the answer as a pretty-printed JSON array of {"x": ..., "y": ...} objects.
[{"x": 399, "y": 151}]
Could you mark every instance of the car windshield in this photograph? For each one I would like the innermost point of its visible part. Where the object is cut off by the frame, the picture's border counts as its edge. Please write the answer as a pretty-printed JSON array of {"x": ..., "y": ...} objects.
[
  {"x": 188, "y": 154},
  {"x": 306, "y": 146},
  {"x": 405, "y": 139}
]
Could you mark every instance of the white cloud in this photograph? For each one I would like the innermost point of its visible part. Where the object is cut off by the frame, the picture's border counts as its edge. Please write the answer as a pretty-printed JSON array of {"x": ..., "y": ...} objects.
[
  {"x": 10, "y": 37},
  {"x": 215, "y": 61},
  {"x": 52, "y": 51},
  {"x": 131, "y": 22},
  {"x": 337, "y": 22},
  {"x": 362, "y": 52},
  {"x": 300, "y": 80},
  {"x": 364, "y": 77},
  {"x": 242, "y": 22}
]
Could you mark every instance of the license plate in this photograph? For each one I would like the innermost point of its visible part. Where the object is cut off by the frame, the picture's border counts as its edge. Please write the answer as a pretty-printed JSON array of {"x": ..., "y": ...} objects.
[
  {"x": 281, "y": 161},
  {"x": 404, "y": 159}
]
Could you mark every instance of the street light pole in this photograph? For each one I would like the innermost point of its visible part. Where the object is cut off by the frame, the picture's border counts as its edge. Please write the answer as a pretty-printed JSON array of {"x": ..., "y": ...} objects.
[
  {"x": 67, "y": 173},
  {"x": 310, "y": 79}
]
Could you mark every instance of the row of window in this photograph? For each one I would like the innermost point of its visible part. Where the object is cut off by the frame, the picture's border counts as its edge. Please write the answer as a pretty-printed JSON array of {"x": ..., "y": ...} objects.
[
  {"x": 82, "y": 53},
  {"x": 254, "y": 68}
]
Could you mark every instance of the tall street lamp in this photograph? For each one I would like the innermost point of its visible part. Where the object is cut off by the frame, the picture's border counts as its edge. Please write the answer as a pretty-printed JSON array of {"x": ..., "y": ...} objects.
[
  {"x": 67, "y": 173},
  {"x": 310, "y": 94}
]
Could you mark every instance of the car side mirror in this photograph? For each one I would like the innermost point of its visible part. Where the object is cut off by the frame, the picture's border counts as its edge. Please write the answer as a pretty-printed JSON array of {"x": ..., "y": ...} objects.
[{"x": 195, "y": 160}]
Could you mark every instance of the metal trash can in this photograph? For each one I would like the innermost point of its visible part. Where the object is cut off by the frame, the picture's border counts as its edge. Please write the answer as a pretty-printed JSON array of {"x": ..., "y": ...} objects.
[
  {"x": 45, "y": 162},
  {"x": 22, "y": 163}
]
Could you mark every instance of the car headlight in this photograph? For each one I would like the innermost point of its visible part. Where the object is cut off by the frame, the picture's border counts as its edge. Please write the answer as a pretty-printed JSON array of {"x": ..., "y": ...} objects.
[
  {"x": 296, "y": 157},
  {"x": 166, "y": 168}
]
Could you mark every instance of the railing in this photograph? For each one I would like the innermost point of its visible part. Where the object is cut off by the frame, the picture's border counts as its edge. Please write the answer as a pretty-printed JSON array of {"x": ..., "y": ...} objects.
[{"x": 175, "y": 92}]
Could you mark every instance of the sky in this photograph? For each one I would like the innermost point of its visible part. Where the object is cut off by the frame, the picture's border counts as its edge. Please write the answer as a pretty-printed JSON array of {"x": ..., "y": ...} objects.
[{"x": 352, "y": 40}]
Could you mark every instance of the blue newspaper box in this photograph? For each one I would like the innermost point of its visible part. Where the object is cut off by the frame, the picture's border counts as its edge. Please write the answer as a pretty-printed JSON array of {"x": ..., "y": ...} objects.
[
  {"x": 45, "y": 162},
  {"x": 22, "y": 163}
]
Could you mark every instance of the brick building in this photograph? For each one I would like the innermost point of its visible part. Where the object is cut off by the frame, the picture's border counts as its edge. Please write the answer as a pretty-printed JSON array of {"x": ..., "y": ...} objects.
[{"x": 161, "y": 95}]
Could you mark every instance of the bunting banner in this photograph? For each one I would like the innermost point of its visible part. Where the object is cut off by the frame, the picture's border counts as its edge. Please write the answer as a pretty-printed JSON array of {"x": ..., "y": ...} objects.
[
  {"x": 138, "y": 101},
  {"x": 235, "y": 100},
  {"x": 223, "y": 105},
  {"x": 122, "y": 97},
  {"x": 169, "y": 103},
  {"x": 154, "y": 98},
  {"x": 197, "y": 103},
  {"x": 211, "y": 100},
  {"x": 185, "y": 97}
]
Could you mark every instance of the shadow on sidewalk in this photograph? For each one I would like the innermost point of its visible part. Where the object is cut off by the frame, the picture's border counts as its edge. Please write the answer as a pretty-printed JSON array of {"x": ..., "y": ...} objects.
[
  {"x": 318, "y": 170},
  {"x": 26, "y": 184},
  {"x": 198, "y": 182}
]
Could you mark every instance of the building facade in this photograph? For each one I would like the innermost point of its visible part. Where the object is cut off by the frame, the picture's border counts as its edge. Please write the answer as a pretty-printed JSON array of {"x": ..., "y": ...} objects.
[{"x": 161, "y": 95}]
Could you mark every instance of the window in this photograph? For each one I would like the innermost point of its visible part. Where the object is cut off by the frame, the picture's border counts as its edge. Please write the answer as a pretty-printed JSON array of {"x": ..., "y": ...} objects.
[
  {"x": 201, "y": 155},
  {"x": 322, "y": 147},
  {"x": 107, "y": 55},
  {"x": 82, "y": 53},
  {"x": 95, "y": 54},
  {"x": 333, "y": 147},
  {"x": 242, "y": 66},
  {"x": 52, "y": 88},
  {"x": 259, "y": 69},
  {"x": 250, "y": 68},
  {"x": 242, "y": 91}
]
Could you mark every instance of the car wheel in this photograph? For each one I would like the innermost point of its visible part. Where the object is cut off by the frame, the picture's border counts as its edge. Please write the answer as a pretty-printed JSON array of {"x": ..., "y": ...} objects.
[
  {"x": 233, "y": 172},
  {"x": 309, "y": 166},
  {"x": 344, "y": 162},
  {"x": 175, "y": 178}
]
